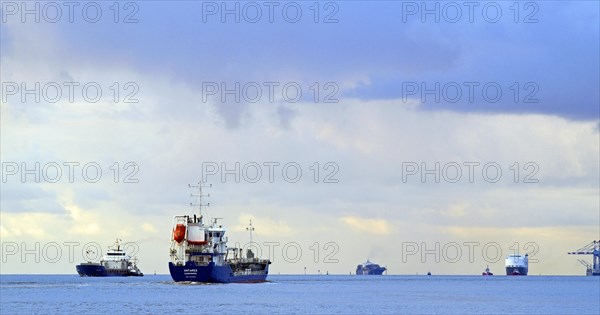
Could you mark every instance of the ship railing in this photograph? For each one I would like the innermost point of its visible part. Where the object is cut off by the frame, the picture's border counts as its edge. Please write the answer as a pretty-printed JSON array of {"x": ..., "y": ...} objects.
[
  {"x": 195, "y": 248},
  {"x": 248, "y": 272},
  {"x": 248, "y": 260}
]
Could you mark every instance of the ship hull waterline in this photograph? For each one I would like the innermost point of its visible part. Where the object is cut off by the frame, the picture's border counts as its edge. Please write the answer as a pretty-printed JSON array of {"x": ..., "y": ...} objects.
[
  {"x": 375, "y": 272},
  {"x": 97, "y": 270},
  {"x": 516, "y": 271},
  {"x": 211, "y": 273}
]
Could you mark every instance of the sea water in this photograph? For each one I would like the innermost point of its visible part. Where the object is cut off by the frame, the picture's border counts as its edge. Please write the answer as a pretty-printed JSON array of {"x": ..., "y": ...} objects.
[{"x": 58, "y": 294}]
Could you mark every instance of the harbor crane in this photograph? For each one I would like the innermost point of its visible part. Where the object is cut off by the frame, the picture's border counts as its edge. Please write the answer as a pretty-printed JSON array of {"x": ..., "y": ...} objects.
[{"x": 592, "y": 248}]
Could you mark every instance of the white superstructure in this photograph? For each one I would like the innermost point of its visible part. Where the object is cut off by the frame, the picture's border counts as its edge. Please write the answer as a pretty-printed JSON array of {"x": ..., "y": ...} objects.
[
  {"x": 116, "y": 261},
  {"x": 192, "y": 240},
  {"x": 517, "y": 265},
  {"x": 517, "y": 261}
]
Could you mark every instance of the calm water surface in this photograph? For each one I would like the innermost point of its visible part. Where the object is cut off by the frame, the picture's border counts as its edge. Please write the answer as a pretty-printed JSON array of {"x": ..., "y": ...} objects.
[{"x": 54, "y": 294}]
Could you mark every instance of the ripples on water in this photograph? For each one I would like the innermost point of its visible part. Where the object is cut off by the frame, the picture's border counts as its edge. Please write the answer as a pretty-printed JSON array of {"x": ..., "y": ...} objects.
[{"x": 302, "y": 294}]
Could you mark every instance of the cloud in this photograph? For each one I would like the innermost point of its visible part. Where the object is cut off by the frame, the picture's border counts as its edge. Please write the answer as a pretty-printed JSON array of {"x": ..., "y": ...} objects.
[
  {"x": 26, "y": 226},
  {"x": 371, "y": 226},
  {"x": 147, "y": 227},
  {"x": 455, "y": 210},
  {"x": 263, "y": 226},
  {"x": 84, "y": 222}
]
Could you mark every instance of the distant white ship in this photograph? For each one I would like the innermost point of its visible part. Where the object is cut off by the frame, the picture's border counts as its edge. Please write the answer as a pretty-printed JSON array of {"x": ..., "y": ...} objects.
[{"x": 517, "y": 265}]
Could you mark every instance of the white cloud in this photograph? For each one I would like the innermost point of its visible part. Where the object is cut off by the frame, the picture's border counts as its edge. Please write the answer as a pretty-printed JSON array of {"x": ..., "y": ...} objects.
[
  {"x": 147, "y": 227},
  {"x": 263, "y": 226},
  {"x": 371, "y": 226},
  {"x": 25, "y": 226}
]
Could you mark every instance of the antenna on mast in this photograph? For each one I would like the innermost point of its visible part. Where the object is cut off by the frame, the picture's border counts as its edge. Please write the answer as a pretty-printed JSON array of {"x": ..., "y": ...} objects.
[
  {"x": 250, "y": 228},
  {"x": 199, "y": 196}
]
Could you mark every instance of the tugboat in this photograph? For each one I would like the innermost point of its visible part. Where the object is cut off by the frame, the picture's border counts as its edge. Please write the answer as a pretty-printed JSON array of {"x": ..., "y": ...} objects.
[
  {"x": 487, "y": 272},
  {"x": 369, "y": 268},
  {"x": 517, "y": 265},
  {"x": 199, "y": 251},
  {"x": 116, "y": 263}
]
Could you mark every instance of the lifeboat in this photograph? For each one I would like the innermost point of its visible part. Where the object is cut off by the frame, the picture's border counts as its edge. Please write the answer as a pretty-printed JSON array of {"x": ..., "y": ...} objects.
[{"x": 179, "y": 233}]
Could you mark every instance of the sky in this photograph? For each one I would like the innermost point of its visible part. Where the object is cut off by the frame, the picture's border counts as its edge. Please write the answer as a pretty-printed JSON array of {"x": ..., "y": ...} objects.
[{"x": 434, "y": 137}]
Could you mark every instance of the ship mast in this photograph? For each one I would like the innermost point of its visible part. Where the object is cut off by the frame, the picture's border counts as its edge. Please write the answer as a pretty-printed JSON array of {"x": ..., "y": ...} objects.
[
  {"x": 199, "y": 196},
  {"x": 250, "y": 228},
  {"x": 117, "y": 244}
]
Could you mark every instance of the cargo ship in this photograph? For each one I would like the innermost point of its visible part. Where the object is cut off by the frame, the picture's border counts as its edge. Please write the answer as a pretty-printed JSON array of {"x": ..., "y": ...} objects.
[
  {"x": 116, "y": 263},
  {"x": 199, "y": 251},
  {"x": 517, "y": 265},
  {"x": 369, "y": 268}
]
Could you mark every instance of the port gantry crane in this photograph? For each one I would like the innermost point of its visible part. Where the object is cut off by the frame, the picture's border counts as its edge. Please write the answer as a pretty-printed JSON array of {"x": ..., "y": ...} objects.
[{"x": 592, "y": 248}]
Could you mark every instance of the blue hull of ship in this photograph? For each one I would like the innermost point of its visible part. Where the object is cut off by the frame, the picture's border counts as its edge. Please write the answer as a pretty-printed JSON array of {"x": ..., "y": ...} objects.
[
  {"x": 211, "y": 273},
  {"x": 100, "y": 271},
  {"x": 91, "y": 270}
]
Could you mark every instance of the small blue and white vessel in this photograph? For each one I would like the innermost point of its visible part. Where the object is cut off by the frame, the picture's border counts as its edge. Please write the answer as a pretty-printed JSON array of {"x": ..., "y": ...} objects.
[
  {"x": 116, "y": 263},
  {"x": 199, "y": 252}
]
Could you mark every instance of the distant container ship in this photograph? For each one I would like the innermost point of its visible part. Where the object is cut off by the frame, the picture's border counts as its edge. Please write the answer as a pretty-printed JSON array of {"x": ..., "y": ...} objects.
[
  {"x": 517, "y": 265},
  {"x": 369, "y": 268},
  {"x": 116, "y": 263}
]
